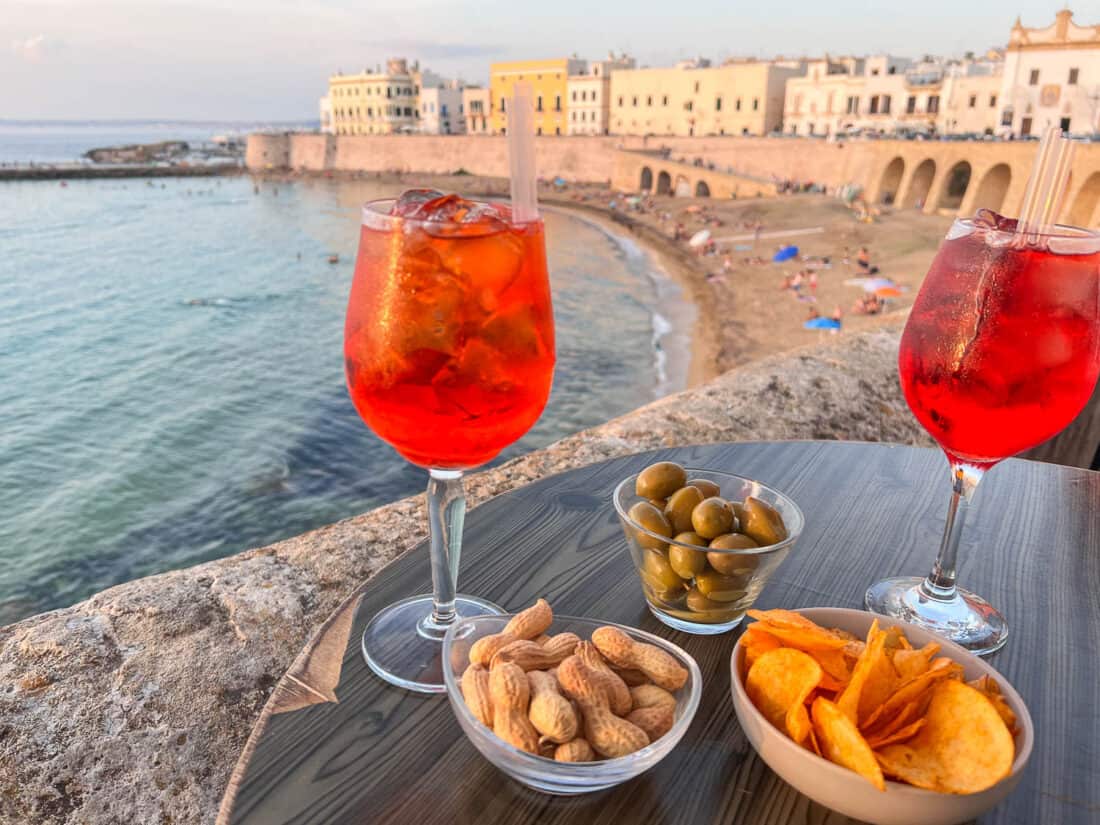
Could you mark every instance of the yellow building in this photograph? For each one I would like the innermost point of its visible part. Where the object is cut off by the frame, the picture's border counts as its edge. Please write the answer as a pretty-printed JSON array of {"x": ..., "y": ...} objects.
[
  {"x": 374, "y": 103},
  {"x": 694, "y": 98},
  {"x": 549, "y": 86}
]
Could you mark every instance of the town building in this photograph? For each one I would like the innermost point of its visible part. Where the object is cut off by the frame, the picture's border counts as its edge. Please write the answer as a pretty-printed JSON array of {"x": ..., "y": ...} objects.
[
  {"x": 971, "y": 96},
  {"x": 1051, "y": 78},
  {"x": 441, "y": 109},
  {"x": 549, "y": 80},
  {"x": 476, "y": 109},
  {"x": 590, "y": 95},
  {"x": 324, "y": 110},
  {"x": 742, "y": 97},
  {"x": 375, "y": 103}
]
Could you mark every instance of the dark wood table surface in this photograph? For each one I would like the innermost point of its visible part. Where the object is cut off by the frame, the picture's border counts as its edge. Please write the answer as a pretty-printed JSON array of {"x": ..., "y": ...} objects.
[{"x": 335, "y": 744}]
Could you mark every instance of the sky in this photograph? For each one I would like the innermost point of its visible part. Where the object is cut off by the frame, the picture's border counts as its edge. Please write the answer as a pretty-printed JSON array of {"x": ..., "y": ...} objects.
[{"x": 269, "y": 59}]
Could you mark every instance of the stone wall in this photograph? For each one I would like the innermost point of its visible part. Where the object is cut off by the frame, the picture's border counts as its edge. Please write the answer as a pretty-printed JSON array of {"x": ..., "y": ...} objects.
[{"x": 131, "y": 707}]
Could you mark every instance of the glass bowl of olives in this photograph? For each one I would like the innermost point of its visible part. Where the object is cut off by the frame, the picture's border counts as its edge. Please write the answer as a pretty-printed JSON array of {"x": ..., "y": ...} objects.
[{"x": 704, "y": 542}]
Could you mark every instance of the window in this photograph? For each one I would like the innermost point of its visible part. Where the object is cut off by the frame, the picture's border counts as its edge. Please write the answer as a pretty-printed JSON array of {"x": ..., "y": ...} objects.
[
  {"x": 574, "y": 95},
  {"x": 572, "y": 115},
  {"x": 717, "y": 104},
  {"x": 620, "y": 100},
  {"x": 853, "y": 105},
  {"x": 442, "y": 109},
  {"x": 594, "y": 95},
  {"x": 557, "y": 103},
  {"x": 538, "y": 103},
  {"x": 664, "y": 100},
  {"x": 557, "y": 130},
  {"x": 538, "y": 131},
  {"x": 1064, "y": 125},
  {"x": 993, "y": 101},
  {"x": 886, "y": 104},
  {"x": 874, "y": 105},
  {"x": 1072, "y": 77},
  {"x": 649, "y": 100},
  {"x": 1033, "y": 80},
  {"x": 755, "y": 104},
  {"x": 688, "y": 106},
  {"x": 696, "y": 87},
  {"x": 1006, "y": 117},
  {"x": 933, "y": 104},
  {"x": 911, "y": 105},
  {"x": 973, "y": 101},
  {"x": 737, "y": 104},
  {"x": 873, "y": 72},
  {"x": 635, "y": 100},
  {"x": 389, "y": 91},
  {"x": 891, "y": 70},
  {"x": 503, "y": 105}
]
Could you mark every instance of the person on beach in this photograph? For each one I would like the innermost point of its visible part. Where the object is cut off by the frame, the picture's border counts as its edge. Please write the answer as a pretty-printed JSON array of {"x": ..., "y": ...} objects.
[{"x": 864, "y": 258}]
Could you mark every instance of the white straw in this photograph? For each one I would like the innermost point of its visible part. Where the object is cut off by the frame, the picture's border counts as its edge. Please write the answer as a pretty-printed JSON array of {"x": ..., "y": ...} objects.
[
  {"x": 521, "y": 154},
  {"x": 1046, "y": 187}
]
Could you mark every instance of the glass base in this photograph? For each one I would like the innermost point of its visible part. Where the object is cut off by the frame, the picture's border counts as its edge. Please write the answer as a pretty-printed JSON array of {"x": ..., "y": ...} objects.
[
  {"x": 698, "y": 628},
  {"x": 402, "y": 644},
  {"x": 966, "y": 619}
]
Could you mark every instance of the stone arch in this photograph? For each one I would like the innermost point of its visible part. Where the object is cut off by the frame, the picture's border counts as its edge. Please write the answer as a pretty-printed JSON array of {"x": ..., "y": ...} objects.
[
  {"x": 702, "y": 190},
  {"x": 891, "y": 181},
  {"x": 683, "y": 187},
  {"x": 992, "y": 189},
  {"x": 664, "y": 183},
  {"x": 954, "y": 186},
  {"x": 647, "y": 179},
  {"x": 1084, "y": 204},
  {"x": 920, "y": 183}
]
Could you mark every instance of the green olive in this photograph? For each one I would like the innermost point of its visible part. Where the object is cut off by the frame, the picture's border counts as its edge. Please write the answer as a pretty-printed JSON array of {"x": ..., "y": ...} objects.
[
  {"x": 651, "y": 519},
  {"x": 687, "y": 563},
  {"x": 708, "y": 488},
  {"x": 692, "y": 538},
  {"x": 762, "y": 522},
  {"x": 729, "y": 564},
  {"x": 698, "y": 603},
  {"x": 658, "y": 573},
  {"x": 660, "y": 480},
  {"x": 720, "y": 588},
  {"x": 738, "y": 513},
  {"x": 712, "y": 517},
  {"x": 679, "y": 508}
]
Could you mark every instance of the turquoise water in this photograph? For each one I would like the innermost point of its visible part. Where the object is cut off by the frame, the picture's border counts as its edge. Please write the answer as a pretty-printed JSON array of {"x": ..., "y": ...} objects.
[{"x": 171, "y": 384}]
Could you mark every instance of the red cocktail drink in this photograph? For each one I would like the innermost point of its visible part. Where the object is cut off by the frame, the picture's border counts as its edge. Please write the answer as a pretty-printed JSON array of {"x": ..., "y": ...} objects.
[
  {"x": 449, "y": 343},
  {"x": 1000, "y": 351}
]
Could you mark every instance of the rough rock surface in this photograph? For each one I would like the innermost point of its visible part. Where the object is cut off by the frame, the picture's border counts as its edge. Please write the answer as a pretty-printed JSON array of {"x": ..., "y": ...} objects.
[{"x": 131, "y": 707}]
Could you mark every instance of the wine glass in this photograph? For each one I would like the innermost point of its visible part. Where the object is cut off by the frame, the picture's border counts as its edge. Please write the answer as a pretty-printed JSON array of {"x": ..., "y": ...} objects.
[
  {"x": 1001, "y": 351},
  {"x": 449, "y": 357}
]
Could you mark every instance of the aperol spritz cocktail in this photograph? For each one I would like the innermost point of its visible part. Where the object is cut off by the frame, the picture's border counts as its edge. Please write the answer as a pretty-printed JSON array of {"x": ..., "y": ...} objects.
[
  {"x": 449, "y": 357},
  {"x": 1001, "y": 351}
]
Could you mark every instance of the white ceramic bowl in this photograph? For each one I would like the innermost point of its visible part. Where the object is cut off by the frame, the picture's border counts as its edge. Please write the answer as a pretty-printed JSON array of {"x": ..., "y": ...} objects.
[
  {"x": 546, "y": 775},
  {"x": 849, "y": 793}
]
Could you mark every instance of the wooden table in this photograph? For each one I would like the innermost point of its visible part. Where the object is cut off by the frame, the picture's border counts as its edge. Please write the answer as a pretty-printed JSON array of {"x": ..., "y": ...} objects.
[{"x": 379, "y": 754}]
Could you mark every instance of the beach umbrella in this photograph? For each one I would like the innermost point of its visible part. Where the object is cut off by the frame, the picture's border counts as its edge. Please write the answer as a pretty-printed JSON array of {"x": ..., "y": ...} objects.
[
  {"x": 888, "y": 292},
  {"x": 875, "y": 284},
  {"x": 699, "y": 238},
  {"x": 822, "y": 323},
  {"x": 785, "y": 254}
]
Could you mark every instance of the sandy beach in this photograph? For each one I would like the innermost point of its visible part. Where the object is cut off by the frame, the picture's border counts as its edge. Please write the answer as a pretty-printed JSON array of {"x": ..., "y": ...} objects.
[{"x": 742, "y": 310}]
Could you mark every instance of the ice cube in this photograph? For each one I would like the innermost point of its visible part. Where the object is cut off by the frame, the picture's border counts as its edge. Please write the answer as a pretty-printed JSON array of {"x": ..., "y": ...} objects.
[
  {"x": 517, "y": 333},
  {"x": 410, "y": 202},
  {"x": 491, "y": 262}
]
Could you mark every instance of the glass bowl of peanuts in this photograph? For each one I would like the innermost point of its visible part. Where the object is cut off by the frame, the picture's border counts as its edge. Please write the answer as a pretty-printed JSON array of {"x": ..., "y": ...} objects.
[{"x": 568, "y": 705}]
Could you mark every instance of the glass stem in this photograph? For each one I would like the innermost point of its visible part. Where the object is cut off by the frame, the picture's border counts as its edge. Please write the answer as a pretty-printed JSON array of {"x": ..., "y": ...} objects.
[
  {"x": 940, "y": 583},
  {"x": 446, "y": 513}
]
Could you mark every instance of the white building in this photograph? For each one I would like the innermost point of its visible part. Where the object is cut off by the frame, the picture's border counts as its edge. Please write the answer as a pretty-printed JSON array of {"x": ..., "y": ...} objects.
[
  {"x": 441, "y": 110},
  {"x": 1051, "y": 78},
  {"x": 588, "y": 96},
  {"x": 324, "y": 107},
  {"x": 972, "y": 96},
  {"x": 476, "y": 108}
]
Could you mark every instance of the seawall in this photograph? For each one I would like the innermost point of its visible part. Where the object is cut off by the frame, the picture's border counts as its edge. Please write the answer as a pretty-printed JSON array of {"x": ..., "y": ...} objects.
[{"x": 949, "y": 177}]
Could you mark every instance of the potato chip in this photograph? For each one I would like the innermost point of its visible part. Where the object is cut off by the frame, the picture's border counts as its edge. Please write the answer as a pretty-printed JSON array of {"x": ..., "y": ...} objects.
[
  {"x": 911, "y": 690},
  {"x": 899, "y": 735},
  {"x": 881, "y": 682},
  {"x": 845, "y": 635},
  {"x": 835, "y": 664},
  {"x": 963, "y": 747},
  {"x": 813, "y": 743},
  {"x": 992, "y": 691},
  {"x": 798, "y": 724},
  {"x": 888, "y": 725},
  {"x": 805, "y": 638},
  {"x": 848, "y": 701},
  {"x": 912, "y": 663},
  {"x": 757, "y": 641},
  {"x": 840, "y": 742},
  {"x": 782, "y": 618},
  {"x": 780, "y": 679}
]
